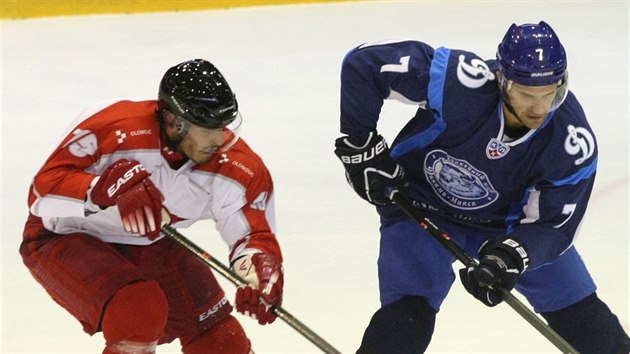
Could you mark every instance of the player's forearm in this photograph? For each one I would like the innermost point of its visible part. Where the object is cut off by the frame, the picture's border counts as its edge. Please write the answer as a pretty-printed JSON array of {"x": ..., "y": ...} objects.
[{"x": 60, "y": 192}]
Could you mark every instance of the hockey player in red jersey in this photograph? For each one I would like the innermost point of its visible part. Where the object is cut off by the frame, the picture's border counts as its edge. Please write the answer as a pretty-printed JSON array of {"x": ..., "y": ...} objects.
[{"x": 124, "y": 169}]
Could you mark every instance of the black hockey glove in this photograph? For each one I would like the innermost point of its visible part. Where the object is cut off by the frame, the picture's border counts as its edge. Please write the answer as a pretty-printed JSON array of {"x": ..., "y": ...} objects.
[
  {"x": 500, "y": 262},
  {"x": 370, "y": 171}
]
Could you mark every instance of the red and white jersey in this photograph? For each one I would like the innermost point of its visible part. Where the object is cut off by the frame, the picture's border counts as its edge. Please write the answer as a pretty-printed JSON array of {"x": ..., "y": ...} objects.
[{"x": 234, "y": 188}]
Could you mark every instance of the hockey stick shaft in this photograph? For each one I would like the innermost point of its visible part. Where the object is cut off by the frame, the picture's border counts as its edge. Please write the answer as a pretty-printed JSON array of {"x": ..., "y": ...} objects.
[
  {"x": 238, "y": 281},
  {"x": 443, "y": 238}
]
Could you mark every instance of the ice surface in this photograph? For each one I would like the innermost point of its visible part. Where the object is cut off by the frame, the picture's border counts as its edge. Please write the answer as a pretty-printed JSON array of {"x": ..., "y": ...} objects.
[{"x": 283, "y": 63}]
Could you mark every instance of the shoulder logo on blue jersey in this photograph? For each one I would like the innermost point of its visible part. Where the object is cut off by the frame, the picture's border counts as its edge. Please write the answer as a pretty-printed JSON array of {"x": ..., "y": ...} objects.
[
  {"x": 457, "y": 182},
  {"x": 496, "y": 149},
  {"x": 579, "y": 140},
  {"x": 475, "y": 74}
]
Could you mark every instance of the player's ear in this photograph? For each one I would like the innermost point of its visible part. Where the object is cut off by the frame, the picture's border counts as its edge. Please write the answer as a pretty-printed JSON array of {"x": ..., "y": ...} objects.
[{"x": 168, "y": 117}]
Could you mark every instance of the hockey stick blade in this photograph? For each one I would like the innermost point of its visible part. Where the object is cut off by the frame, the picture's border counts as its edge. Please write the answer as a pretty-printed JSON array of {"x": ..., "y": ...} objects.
[
  {"x": 443, "y": 238},
  {"x": 238, "y": 281}
]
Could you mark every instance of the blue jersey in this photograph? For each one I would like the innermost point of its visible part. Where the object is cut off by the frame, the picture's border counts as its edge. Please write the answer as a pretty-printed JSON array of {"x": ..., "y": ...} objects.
[{"x": 458, "y": 161}]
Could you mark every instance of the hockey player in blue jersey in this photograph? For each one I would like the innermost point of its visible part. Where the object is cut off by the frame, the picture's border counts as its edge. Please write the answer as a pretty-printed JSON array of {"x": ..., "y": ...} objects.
[{"x": 500, "y": 155}]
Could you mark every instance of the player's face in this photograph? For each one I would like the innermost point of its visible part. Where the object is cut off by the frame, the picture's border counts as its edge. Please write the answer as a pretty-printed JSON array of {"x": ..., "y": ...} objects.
[
  {"x": 200, "y": 143},
  {"x": 196, "y": 142},
  {"x": 531, "y": 104}
]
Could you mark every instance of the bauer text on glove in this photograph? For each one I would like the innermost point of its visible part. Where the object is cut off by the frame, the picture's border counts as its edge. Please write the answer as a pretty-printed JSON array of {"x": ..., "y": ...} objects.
[
  {"x": 500, "y": 262},
  {"x": 370, "y": 170}
]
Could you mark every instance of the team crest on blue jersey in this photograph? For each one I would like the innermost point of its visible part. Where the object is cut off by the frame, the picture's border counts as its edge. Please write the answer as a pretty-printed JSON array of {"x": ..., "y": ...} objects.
[
  {"x": 580, "y": 142},
  {"x": 475, "y": 74},
  {"x": 457, "y": 182},
  {"x": 496, "y": 149}
]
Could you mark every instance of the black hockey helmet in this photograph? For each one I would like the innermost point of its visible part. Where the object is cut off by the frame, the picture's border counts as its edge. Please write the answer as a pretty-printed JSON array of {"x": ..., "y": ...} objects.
[{"x": 196, "y": 91}]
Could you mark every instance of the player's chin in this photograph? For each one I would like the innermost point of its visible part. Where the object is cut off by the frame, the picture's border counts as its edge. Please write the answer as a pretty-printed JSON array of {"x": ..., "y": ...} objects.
[
  {"x": 534, "y": 122},
  {"x": 201, "y": 156}
]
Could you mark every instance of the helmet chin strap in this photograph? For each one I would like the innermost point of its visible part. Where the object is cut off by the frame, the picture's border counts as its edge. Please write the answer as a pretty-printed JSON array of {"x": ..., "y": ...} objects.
[
  {"x": 505, "y": 85},
  {"x": 513, "y": 133},
  {"x": 509, "y": 106},
  {"x": 171, "y": 142}
]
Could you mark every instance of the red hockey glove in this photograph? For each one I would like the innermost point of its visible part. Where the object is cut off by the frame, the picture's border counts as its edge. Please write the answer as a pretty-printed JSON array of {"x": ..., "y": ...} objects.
[
  {"x": 265, "y": 276},
  {"x": 500, "y": 262},
  {"x": 126, "y": 184}
]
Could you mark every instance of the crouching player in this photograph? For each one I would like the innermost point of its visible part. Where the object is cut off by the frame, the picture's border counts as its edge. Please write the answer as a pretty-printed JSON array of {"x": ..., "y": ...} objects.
[{"x": 124, "y": 169}]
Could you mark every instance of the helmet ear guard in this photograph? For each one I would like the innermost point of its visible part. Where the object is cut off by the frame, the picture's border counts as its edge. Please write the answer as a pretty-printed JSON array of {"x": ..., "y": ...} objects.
[{"x": 532, "y": 55}]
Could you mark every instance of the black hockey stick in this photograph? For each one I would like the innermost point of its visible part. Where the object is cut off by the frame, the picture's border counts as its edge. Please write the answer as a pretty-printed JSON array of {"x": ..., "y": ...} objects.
[
  {"x": 443, "y": 238},
  {"x": 238, "y": 281}
]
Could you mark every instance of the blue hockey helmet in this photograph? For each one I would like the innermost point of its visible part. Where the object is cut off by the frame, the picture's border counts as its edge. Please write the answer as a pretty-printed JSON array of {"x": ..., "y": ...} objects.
[{"x": 532, "y": 55}]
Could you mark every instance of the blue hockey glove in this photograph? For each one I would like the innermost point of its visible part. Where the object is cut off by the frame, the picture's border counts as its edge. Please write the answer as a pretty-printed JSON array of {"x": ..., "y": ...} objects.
[
  {"x": 370, "y": 171},
  {"x": 500, "y": 262}
]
